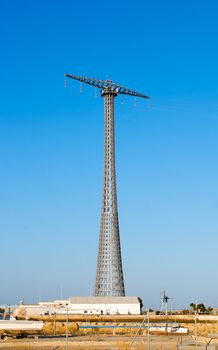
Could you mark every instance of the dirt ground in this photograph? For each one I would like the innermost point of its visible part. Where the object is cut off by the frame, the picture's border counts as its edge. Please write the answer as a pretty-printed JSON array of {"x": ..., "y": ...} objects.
[{"x": 95, "y": 342}]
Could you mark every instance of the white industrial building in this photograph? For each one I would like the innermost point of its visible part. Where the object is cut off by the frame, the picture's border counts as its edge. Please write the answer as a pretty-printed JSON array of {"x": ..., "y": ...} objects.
[
  {"x": 105, "y": 305},
  {"x": 83, "y": 306}
]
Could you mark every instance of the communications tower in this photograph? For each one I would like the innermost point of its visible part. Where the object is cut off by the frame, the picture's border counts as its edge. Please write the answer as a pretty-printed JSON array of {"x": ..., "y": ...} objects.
[{"x": 109, "y": 275}]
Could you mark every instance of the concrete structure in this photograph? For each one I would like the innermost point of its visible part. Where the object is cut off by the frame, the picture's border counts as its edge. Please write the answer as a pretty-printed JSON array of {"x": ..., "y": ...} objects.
[
  {"x": 28, "y": 310},
  {"x": 105, "y": 305},
  {"x": 55, "y": 303},
  {"x": 82, "y": 306},
  {"x": 109, "y": 275},
  {"x": 42, "y": 308}
]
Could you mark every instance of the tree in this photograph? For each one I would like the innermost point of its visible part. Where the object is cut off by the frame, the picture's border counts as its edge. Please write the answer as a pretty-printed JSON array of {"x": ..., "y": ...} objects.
[
  {"x": 193, "y": 306},
  {"x": 201, "y": 308},
  {"x": 209, "y": 309}
]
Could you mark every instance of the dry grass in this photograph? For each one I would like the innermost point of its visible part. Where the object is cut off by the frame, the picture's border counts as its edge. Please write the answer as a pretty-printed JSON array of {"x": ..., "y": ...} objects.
[
  {"x": 59, "y": 328},
  {"x": 90, "y": 345}
]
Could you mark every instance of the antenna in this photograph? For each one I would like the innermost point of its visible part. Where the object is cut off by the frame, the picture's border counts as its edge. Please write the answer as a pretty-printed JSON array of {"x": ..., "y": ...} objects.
[
  {"x": 164, "y": 302},
  {"x": 95, "y": 94},
  {"x": 65, "y": 82}
]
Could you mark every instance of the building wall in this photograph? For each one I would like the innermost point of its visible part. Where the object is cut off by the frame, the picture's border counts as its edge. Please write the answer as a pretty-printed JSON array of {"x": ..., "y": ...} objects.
[
  {"x": 28, "y": 310},
  {"x": 112, "y": 309},
  {"x": 79, "y": 306}
]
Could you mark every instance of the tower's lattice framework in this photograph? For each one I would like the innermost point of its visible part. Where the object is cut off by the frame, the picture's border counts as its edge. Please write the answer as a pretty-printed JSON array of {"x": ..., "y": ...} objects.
[{"x": 109, "y": 275}]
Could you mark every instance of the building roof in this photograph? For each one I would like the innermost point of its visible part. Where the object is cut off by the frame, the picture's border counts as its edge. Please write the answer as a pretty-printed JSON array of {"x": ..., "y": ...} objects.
[{"x": 104, "y": 300}]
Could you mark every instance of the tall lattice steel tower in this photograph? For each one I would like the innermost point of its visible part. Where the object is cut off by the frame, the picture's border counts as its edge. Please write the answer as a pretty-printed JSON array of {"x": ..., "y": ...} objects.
[{"x": 109, "y": 275}]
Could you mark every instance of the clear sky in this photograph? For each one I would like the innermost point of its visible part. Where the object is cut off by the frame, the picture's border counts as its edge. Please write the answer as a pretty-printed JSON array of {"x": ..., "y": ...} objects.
[{"x": 51, "y": 142}]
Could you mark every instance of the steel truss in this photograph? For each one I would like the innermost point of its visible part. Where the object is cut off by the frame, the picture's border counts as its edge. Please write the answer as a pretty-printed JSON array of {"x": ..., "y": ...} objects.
[{"x": 109, "y": 275}]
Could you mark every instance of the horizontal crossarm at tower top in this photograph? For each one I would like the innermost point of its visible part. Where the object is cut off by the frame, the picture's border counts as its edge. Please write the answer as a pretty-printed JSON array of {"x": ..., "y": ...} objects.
[{"x": 107, "y": 84}]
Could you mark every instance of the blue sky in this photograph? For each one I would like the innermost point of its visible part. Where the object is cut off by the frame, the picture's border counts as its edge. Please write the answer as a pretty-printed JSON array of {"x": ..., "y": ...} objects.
[{"x": 51, "y": 141}]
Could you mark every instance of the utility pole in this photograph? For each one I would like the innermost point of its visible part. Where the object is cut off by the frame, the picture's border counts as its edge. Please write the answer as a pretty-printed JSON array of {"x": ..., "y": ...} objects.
[
  {"x": 109, "y": 274},
  {"x": 165, "y": 299},
  {"x": 67, "y": 331},
  {"x": 196, "y": 329},
  {"x": 148, "y": 331}
]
